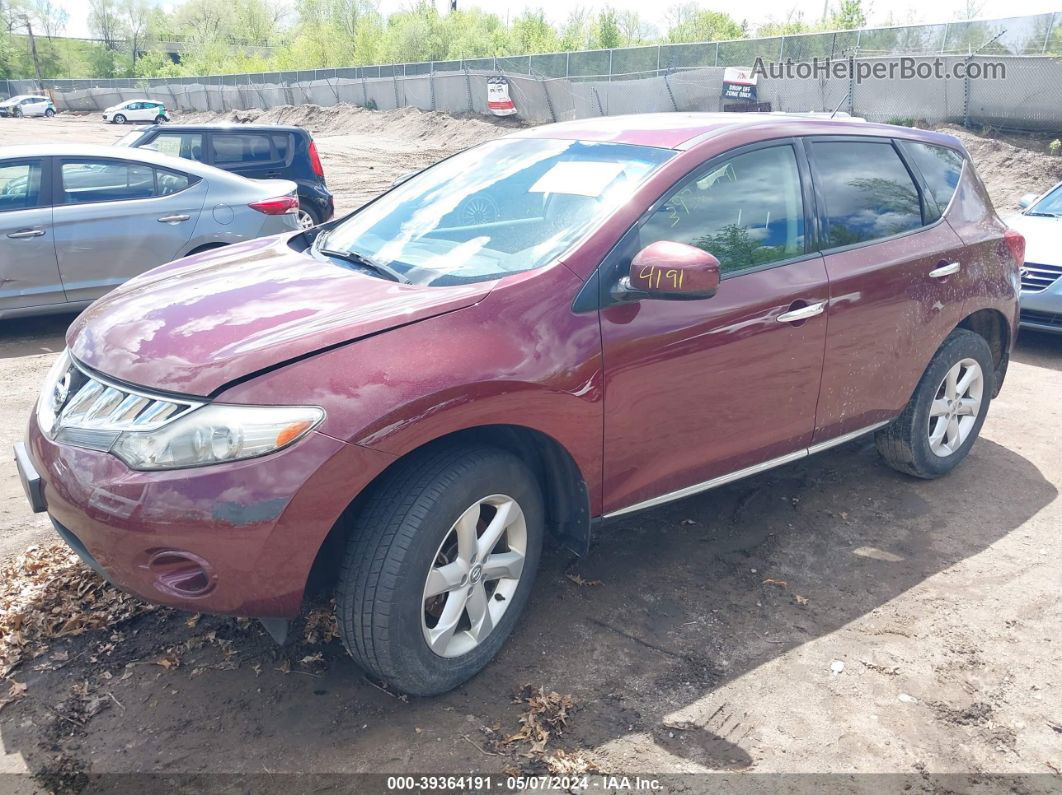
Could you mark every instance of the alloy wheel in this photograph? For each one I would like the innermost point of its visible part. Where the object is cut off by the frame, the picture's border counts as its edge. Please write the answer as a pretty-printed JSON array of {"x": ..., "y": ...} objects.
[
  {"x": 474, "y": 575},
  {"x": 953, "y": 413},
  {"x": 305, "y": 220}
]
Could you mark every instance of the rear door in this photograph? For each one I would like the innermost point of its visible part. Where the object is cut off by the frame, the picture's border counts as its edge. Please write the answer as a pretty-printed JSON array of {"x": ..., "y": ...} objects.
[
  {"x": 29, "y": 273},
  {"x": 114, "y": 219},
  {"x": 249, "y": 154},
  {"x": 188, "y": 145},
  {"x": 897, "y": 275}
]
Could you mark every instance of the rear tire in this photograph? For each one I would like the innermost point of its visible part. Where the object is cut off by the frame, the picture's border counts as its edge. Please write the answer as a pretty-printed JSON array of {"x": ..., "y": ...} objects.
[
  {"x": 48, "y": 113},
  {"x": 119, "y": 118},
  {"x": 944, "y": 416},
  {"x": 417, "y": 601},
  {"x": 160, "y": 119},
  {"x": 306, "y": 218}
]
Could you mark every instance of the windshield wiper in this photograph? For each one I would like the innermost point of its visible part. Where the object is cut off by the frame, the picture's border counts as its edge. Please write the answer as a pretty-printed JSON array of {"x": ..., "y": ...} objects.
[
  {"x": 1046, "y": 215},
  {"x": 366, "y": 262}
]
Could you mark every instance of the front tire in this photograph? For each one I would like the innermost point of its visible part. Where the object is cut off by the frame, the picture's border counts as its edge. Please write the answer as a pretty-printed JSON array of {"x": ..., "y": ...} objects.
[
  {"x": 119, "y": 118},
  {"x": 944, "y": 416},
  {"x": 440, "y": 566},
  {"x": 17, "y": 113}
]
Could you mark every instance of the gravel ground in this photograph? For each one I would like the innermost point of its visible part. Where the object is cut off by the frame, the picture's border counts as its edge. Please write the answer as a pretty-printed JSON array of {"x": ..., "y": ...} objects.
[{"x": 831, "y": 616}]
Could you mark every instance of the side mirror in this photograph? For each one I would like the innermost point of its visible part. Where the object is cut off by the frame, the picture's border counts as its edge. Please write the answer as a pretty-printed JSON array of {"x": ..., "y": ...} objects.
[
  {"x": 1026, "y": 201},
  {"x": 669, "y": 270}
]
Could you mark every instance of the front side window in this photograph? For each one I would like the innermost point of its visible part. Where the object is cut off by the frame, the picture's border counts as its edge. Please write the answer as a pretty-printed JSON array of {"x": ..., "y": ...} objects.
[
  {"x": 20, "y": 185},
  {"x": 747, "y": 211},
  {"x": 503, "y": 207},
  {"x": 941, "y": 168},
  {"x": 1051, "y": 204},
  {"x": 86, "y": 181},
  {"x": 250, "y": 148},
  {"x": 186, "y": 145},
  {"x": 867, "y": 190}
]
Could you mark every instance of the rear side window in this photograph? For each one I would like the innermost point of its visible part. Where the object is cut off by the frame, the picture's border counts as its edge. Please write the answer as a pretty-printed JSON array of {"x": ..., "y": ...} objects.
[
  {"x": 941, "y": 168},
  {"x": 20, "y": 185},
  {"x": 747, "y": 211},
  {"x": 243, "y": 148},
  {"x": 282, "y": 141},
  {"x": 868, "y": 192},
  {"x": 88, "y": 181},
  {"x": 186, "y": 145},
  {"x": 169, "y": 182}
]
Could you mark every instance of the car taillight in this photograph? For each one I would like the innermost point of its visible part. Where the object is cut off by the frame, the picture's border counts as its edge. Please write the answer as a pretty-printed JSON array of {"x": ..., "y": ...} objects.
[
  {"x": 280, "y": 205},
  {"x": 315, "y": 160},
  {"x": 1016, "y": 243}
]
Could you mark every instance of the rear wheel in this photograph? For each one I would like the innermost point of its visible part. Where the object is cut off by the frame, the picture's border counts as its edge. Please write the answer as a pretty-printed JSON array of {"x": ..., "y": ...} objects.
[
  {"x": 306, "y": 219},
  {"x": 160, "y": 119},
  {"x": 48, "y": 113},
  {"x": 440, "y": 565},
  {"x": 119, "y": 118},
  {"x": 944, "y": 416}
]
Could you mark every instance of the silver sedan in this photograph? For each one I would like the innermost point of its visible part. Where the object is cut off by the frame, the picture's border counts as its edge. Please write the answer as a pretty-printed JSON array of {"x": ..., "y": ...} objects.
[
  {"x": 76, "y": 221},
  {"x": 1041, "y": 275}
]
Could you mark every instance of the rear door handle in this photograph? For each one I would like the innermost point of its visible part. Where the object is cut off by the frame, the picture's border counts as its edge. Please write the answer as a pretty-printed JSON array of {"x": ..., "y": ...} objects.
[
  {"x": 944, "y": 270},
  {"x": 803, "y": 313},
  {"x": 173, "y": 219},
  {"x": 21, "y": 233}
]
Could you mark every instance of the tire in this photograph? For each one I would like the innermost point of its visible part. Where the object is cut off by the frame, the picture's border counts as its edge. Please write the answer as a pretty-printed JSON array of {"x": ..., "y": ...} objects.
[
  {"x": 306, "y": 218},
  {"x": 48, "y": 113},
  {"x": 118, "y": 119},
  {"x": 17, "y": 113},
  {"x": 160, "y": 119},
  {"x": 407, "y": 528},
  {"x": 907, "y": 443}
]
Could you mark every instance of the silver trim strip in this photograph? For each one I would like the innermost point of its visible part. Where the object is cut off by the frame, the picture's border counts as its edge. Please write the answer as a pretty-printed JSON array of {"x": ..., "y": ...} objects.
[{"x": 697, "y": 488}]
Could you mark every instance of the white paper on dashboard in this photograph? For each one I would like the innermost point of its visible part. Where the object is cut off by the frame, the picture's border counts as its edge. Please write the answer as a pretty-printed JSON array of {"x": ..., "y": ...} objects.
[{"x": 581, "y": 178}]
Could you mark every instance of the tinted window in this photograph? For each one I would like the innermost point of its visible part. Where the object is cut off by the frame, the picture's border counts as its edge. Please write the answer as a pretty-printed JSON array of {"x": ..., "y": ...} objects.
[
  {"x": 868, "y": 191},
  {"x": 186, "y": 145},
  {"x": 941, "y": 168},
  {"x": 248, "y": 148},
  {"x": 20, "y": 185},
  {"x": 281, "y": 142},
  {"x": 169, "y": 182},
  {"x": 102, "y": 181},
  {"x": 747, "y": 211}
]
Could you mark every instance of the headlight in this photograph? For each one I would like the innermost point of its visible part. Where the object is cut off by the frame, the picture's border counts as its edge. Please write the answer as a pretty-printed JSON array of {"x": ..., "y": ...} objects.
[
  {"x": 54, "y": 392},
  {"x": 217, "y": 433}
]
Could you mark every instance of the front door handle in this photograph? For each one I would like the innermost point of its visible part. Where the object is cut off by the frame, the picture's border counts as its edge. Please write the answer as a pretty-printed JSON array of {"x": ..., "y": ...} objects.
[
  {"x": 173, "y": 219},
  {"x": 21, "y": 233},
  {"x": 944, "y": 270},
  {"x": 803, "y": 313}
]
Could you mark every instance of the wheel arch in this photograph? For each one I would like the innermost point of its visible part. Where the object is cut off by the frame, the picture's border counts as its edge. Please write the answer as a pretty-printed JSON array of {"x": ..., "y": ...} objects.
[
  {"x": 993, "y": 327},
  {"x": 564, "y": 490}
]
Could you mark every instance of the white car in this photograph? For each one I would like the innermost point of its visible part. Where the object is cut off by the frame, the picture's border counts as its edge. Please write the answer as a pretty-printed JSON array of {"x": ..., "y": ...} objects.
[
  {"x": 1041, "y": 275},
  {"x": 27, "y": 105},
  {"x": 136, "y": 110}
]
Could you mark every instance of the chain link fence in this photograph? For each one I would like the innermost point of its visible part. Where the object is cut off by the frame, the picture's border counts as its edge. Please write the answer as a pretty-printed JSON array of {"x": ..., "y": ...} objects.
[{"x": 669, "y": 77}]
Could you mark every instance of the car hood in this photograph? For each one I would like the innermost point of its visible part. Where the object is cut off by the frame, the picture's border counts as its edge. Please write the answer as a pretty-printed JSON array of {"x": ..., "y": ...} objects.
[
  {"x": 1043, "y": 237},
  {"x": 197, "y": 324}
]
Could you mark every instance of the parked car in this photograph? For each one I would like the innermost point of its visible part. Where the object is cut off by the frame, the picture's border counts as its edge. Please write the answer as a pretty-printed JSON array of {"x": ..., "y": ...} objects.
[
  {"x": 137, "y": 110},
  {"x": 1040, "y": 223},
  {"x": 27, "y": 105},
  {"x": 401, "y": 405},
  {"x": 257, "y": 151},
  {"x": 76, "y": 221}
]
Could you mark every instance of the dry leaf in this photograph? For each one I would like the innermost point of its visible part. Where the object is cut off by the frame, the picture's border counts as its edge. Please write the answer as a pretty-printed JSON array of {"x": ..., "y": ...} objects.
[
  {"x": 779, "y": 583},
  {"x": 578, "y": 580},
  {"x": 169, "y": 661},
  {"x": 800, "y": 600}
]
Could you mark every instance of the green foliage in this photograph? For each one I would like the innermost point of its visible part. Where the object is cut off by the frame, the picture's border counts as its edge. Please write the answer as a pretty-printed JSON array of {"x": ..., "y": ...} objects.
[
  {"x": 1055, "y": 147},
  {"x": 849, "y": 15},
  {"x": 690, "y": 22}
]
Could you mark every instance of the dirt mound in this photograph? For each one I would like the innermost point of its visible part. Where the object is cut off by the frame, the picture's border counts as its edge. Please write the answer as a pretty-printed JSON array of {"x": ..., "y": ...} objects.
[
  {"x": 429, "y": 127},
  {"x": 1010, "y": 167}
]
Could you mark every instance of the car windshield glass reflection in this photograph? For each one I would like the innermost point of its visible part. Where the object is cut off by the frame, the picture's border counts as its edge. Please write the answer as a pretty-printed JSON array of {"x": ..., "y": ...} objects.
[
  {"x": 1051, "y": 204},
  {"x": 503, "y": 207}
]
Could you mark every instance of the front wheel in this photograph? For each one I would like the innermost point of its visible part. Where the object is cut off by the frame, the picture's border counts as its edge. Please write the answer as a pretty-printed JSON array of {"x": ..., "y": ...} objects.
[
  {"x": 119, "y": 118},
  {"x": 17, "y": 113},
  {"x": 942, "y": 420},
  {"x": 440, "y": 565}
]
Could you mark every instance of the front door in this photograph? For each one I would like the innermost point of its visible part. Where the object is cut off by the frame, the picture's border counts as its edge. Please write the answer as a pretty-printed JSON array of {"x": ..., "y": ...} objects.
[
  {"x": 695, "y": 390},
  {"x": 29, "y": 273}
]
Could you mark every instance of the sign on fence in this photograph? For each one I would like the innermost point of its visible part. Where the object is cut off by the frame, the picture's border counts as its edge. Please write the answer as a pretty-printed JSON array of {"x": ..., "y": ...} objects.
[
  {"x": 498, "y": 100},
  {"x": 739, "y": 83}
]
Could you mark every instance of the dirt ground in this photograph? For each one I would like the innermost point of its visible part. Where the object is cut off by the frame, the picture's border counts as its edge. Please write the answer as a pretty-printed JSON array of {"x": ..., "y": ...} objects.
[{"x": 829, "y": 617}]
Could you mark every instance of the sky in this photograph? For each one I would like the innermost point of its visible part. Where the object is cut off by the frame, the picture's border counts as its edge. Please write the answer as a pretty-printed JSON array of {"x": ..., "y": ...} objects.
[{"x": 754, "y": 12}]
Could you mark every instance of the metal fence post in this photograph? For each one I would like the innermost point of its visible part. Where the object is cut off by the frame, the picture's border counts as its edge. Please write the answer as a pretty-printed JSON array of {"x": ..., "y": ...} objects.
[
  {"x": 1047, "y": 36},
  {"x": 468, "y": 90},
  {"x": 944, "y": 42},
  {"x": 610, "y": 65}
]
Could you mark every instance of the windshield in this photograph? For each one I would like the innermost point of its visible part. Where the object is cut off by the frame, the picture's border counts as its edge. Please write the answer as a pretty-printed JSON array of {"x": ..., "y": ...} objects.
[
  {"x": 1051, "y": 204},
  {"x": 502, "y": 207}
]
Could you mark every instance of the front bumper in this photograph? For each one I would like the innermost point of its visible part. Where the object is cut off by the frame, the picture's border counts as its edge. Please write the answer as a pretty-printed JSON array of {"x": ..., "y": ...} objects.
[
  {"x": 1042, "y": 310},
  {"x": 236, "y": 538}
]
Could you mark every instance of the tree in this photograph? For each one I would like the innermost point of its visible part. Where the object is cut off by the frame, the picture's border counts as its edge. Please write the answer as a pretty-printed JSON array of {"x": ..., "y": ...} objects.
[
  {"x": 105, "y": 21},
  {"x": 848, "y": 16},
  {"x": 49, "y": 18},
  {"x": 531, "y": 32},
  {"x": 135, "y": 15},
  {"x": 633, "y": 29},
  {"x": 608, "y": 29},
  {"x": 688, "y": 22}
]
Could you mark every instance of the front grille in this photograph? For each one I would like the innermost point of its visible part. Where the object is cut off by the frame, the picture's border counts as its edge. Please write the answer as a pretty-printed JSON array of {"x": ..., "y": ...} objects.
[
  {"x": 88, "y": 410},
  {"x": 1035, "y": 277},
  {"x": 1040, "y": 318}
]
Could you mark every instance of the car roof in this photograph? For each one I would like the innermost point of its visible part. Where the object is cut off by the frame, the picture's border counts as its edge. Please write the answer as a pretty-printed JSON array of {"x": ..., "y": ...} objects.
[
  {"x": 146, "y": 156},
  {"x": 683, "y": 130},
  {"x": 232, "y": 127}
]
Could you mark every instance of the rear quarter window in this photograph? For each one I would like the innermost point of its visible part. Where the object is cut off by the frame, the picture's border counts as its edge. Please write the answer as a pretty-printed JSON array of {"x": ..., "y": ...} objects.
[
  {"x": 242, "y": 148},
  {"x": 941, "y": 168}
]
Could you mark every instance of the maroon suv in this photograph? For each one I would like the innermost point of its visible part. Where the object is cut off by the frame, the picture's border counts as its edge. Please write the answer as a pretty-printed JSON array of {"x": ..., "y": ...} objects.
[{"x": 558, "y": 327}]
